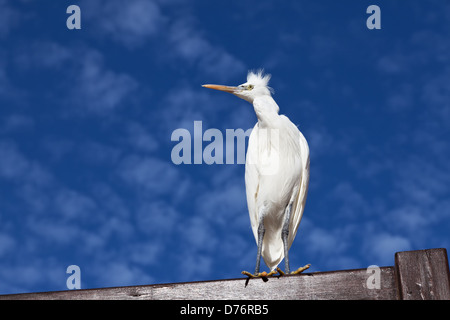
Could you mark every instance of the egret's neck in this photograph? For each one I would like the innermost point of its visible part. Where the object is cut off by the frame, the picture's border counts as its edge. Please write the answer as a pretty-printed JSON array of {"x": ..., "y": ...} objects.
[{"x": 266, "y": 110}]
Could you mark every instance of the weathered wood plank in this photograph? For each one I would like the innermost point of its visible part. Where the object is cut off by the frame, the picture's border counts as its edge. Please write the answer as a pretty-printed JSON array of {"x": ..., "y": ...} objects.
[
  {"x": 423, "y": 274},
  {"x": 345, "y": 284}
]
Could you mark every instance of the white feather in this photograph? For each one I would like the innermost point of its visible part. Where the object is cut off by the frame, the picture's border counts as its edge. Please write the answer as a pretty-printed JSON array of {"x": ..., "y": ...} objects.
[
  {"x": 276, "y": 169},
  {"x": 275, "y": 187}
]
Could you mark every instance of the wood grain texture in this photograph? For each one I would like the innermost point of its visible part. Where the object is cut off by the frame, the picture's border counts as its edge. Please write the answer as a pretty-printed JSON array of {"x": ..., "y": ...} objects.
[
  {"x": 423, "y": 274},
  {"x": 344, "y": 285}
]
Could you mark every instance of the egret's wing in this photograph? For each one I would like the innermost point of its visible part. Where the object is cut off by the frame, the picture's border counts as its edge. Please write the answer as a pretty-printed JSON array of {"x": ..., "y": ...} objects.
[
  {"x": 252, "y": 180},
  {"x": 299, "y": 203}
]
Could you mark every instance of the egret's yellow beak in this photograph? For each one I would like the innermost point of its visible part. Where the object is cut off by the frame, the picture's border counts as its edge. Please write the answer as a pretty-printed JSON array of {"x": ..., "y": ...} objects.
[{"x": 221, "y": 88}]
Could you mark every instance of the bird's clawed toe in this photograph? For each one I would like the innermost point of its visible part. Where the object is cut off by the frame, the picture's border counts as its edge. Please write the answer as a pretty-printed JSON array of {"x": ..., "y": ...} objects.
[
  {"x": 280, "y": 272},
  {"x": 263, "y": 275},
  {"x": 301, "y": 269},
  {"x": 298, "y": 271}
]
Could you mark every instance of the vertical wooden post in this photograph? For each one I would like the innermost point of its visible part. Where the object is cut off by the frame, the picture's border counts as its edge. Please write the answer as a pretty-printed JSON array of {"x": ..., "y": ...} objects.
[{"x": 422, "y": 275}]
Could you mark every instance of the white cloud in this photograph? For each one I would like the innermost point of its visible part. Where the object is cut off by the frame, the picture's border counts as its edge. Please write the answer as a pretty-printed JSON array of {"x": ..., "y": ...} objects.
[
  {"x": 194, "y": 103},
  {"x": 147, "y": 253},
  {"x": 392, "y": 64},
  {"x": 157, "y": 219},
  {"x": 97, "y": 89},
  {"x": 436, "y": 95},
  {"x": 28, "y": 178},
  {"x": 423, "y": 56},
  {"x": 149, "y": 175},
  {"x": 44, "y": 54},
  {"x": 119, "y": 273},
  {"x": 351, "y": 202},
  {"x": 199, "y": 235},
  {"x": 52, "y": 230},
  {"x": 331, "y": 247},
  {"x": 6, "y": 88},
  {"x": 88, "y": 86},
  {"x": 9, "y": 18},
  {"x": 408, "y": 219},
  {"x": 113, "y": 227},
  {"x": 7, "y": 244},
  {"x": 139, "y": 137},
  {"x": 402, "y": 99},
  {"x": 109, "y": 199},
  {"x": 422, "y": 183},
  {"x": 51, "y": 214},
  {"x": 382, "y": 246},
  {"x": 129, "y": 22},
  {"x": 35, "y": 273},
  {"x": 323, "y": 48},
  {"x": 73, "y": 205},
  {"x": 189, "y": 44},
  {"x": 219, "y": 230},
  {"x": 17, "y": 123},
  {"x": 321, "y": 240},
  {"x": 12, "y": 164},
  {"x": 320, "y": 141},
  {"x": 98, "y": 153},
  {"x": 138, "y": 22},
  {"x": 198, "y": 266},
  {"x": 225, "y": 204}
]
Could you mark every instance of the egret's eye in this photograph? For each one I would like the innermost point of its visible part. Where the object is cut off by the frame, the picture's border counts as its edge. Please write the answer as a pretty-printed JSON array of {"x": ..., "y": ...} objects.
[{"x": 250, "y": 87}]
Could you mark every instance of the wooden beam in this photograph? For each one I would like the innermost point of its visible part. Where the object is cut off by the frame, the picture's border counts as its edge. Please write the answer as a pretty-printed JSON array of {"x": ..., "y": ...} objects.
[
  {"x": 340, "y": 285},
  {"x": 423, "y": 274}
]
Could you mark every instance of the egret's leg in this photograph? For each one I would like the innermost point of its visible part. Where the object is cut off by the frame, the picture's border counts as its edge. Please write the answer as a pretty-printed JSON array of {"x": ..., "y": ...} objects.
[
  {"x": 261, "y": 231},
  {"x": 284, "y": 237},
  {"x": 257, "y": 274}
]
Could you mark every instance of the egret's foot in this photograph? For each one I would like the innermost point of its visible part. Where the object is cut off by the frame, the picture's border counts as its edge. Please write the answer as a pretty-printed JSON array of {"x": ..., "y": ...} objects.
[
  {"x": 259, "y": 275},
  {"x": 280, "y": 272},
  {"x": 263, "y": 275},
  {"x": 299, "y": 270}
]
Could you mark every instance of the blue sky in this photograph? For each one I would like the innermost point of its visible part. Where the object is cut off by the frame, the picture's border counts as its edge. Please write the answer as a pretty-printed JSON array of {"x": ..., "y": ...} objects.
[{"x": 86, "y": 117}]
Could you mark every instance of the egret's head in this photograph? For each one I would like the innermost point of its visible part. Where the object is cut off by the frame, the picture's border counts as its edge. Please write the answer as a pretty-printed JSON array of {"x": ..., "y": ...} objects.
[{"x": 256, "y": 86}]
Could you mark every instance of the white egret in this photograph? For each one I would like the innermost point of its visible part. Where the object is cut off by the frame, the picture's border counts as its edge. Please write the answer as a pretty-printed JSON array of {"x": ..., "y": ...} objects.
[{"x": 276, "y": 174}]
